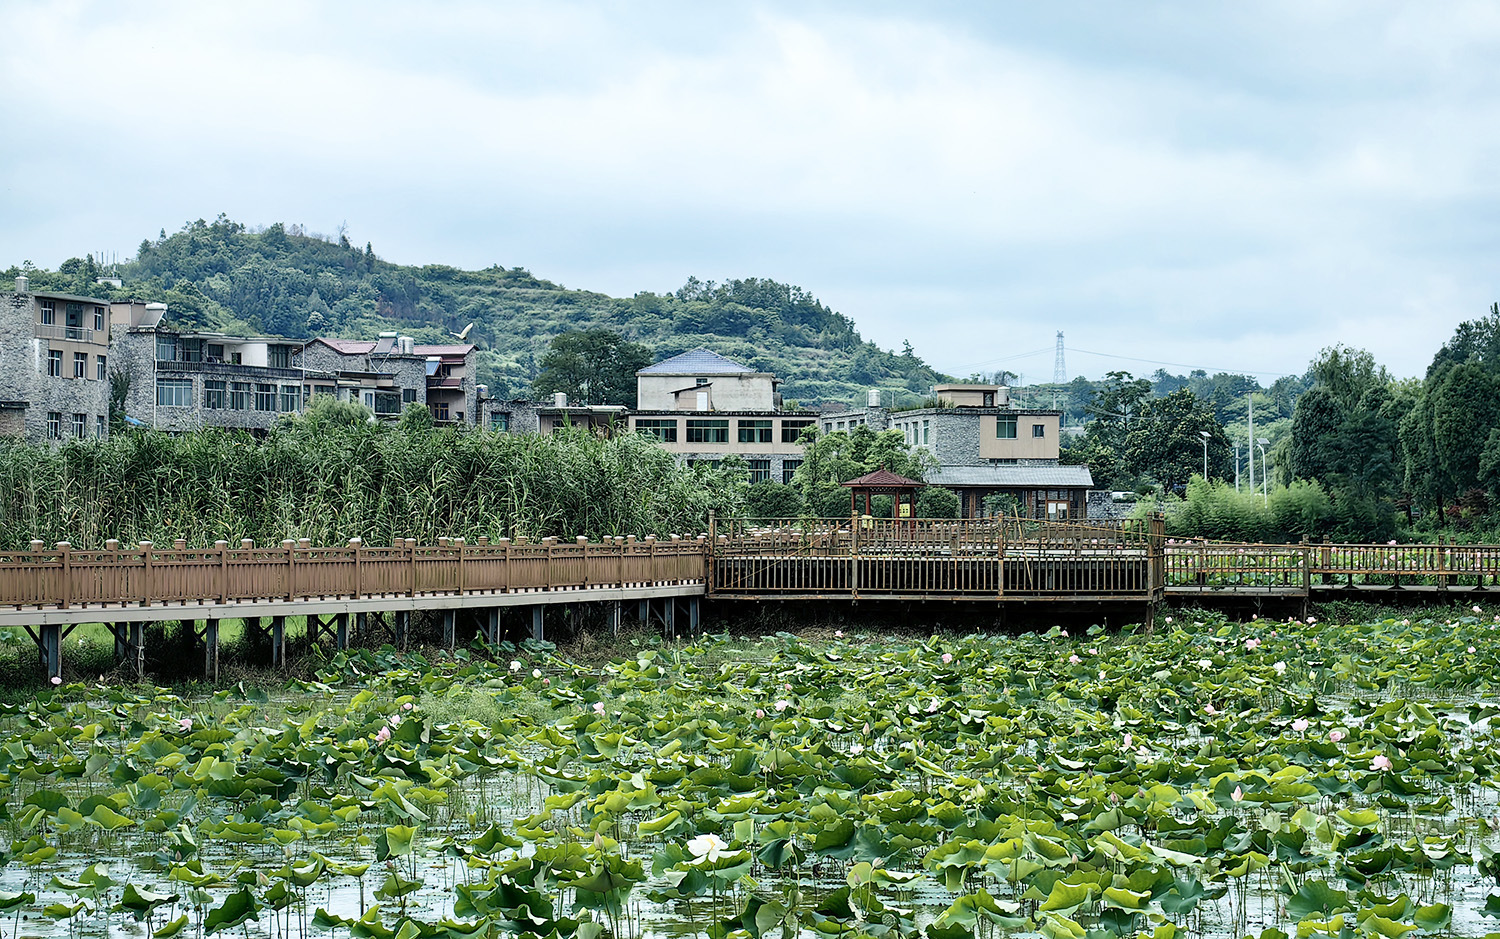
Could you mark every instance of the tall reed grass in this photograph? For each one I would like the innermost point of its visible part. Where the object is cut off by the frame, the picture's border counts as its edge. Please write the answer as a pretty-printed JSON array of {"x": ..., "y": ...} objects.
[{"x": 329, "y": 483}]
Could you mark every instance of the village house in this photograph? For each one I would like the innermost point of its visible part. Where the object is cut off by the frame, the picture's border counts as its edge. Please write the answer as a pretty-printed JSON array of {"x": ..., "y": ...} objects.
[{"x": 54, "y": 365}]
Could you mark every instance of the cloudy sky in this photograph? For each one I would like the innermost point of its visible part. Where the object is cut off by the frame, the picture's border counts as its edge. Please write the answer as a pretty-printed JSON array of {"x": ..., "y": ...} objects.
[{"x": 1226, "y": 186}]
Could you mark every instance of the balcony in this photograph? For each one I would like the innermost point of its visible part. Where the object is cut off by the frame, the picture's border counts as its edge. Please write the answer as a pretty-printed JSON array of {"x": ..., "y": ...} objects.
[
  {"x": 98, "y": 337},
  {"x": 231, "y": 370},
  {"x": 445, "y": 382}
]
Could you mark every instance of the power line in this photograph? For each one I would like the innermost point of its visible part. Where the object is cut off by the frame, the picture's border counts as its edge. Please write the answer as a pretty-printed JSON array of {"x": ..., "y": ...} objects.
[
  {"x": 1231, "y": 371},
  {"x": 1004, "y": 358}
]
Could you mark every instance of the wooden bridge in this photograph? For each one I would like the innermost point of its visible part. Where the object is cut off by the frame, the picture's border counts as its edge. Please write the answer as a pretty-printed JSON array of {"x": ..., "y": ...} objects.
[{"x": 1126, "y": 564}]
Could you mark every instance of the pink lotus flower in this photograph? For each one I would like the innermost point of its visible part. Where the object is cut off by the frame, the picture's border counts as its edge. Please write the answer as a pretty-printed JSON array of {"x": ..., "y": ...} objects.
[
  {"x": 760, "y": 712},
  {"x": 56, "y": 680},
  {"x": 1312, "y": 620},
  {"x": 1251, "y": 644},
  {"x": 1210, "y": 710},
  {"x": 783, "y": 704},
  {"x": 1167, "y": 620},
  {"x": 599, "y": 708},
  {"x": 1238, "y": 794},
  {"x": 546, "y": 682},
  {"x": 185, "y": 724},
  {"x": 947, "y": 658},
  {"x": 857, "y": 749},
  {"x": 1129, "y": 741},
  {"x": 1477, "y": 609},
  {"x": 382, "y": 735},
  {"x": 787, "y": 687},
  {"x": 1335, "y": 735},
  {"x": 1381, "y": 762},
  {"x": 406, "y": 706},
  {"x": 1074, "y": 659},
  {"x": 1471, "y": 650},
  {"x": 1300, "y": 724},
  {"x": 1065, "y": 634},
  {"x": 838, "y": 634},
  {"x": 1093, "y": 652}
]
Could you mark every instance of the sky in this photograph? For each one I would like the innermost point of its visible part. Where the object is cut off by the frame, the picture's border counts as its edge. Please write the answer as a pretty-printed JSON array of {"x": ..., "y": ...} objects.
[{"x": 1223, "y": 186}]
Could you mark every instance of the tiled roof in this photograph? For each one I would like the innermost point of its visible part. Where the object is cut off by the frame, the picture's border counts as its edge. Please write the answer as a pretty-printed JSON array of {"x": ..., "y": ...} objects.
[
  {"x": 348, "y": 346},
  {"x": 882, "y": 479},
  {"x": 697, "y": 362},
  {"x": 449, "y": 349},
  {"x": 1056, "y": 476}
]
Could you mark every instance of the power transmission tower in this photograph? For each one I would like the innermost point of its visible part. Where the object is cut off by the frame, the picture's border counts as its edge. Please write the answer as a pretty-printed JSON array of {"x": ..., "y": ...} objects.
[{"x": 1059, "y": 370}]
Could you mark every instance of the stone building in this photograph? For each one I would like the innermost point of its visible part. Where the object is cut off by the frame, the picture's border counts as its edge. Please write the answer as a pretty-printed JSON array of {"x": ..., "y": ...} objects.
[
  {"x": 995, "y": 456},
  {"x": 390, "y": 372},
  {"x": 522, "y": 416},
  {"x": 54, "y": 365},
  {"x": 181, "y": 380},
  {"x": 704, "y": 407}
]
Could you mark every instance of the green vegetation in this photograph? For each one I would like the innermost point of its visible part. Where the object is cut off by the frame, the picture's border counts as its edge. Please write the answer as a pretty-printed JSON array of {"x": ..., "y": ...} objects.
[
  {"x": 831, "y": 459},
  {"x": 592, "y": 366},
  {"x": 334, "y": 474},
  {"x": 1210, "y": 778},
  {"x": 280, "y": 280}
]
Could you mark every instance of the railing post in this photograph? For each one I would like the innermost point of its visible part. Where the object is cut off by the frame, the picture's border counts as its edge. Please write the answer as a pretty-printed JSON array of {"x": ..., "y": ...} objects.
[
  {"x": 146, "y": 585},
  {"x": 64, "y": 549},
  {"x": 290, "y": 547},
  {"x": 411, "y": 567},
  {"x": 1000, "y": 560},
  {"x": 459, "y": 543},
  {"x": 854, "y": 523},
  {"x": 1442, "y": 564},
  {"x": 358, "y": 545},
  {"x": 583, "y": 543},
  {"x": 223, "y": 548}
]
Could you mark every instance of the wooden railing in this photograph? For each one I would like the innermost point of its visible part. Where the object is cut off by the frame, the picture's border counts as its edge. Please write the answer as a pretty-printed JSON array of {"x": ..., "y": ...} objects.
[
  {"x": 1209, "y": 565},
  {"x": 61, "y": 577},
  {"x": 968, "y": 558}
]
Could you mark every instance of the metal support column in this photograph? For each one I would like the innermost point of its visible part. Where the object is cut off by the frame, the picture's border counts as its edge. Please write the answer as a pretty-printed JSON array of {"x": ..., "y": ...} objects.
[
  {"x": 669, "y": 617},
  {"x": 694, "y": 622},
  {"x": 643, "y": 611},
  {"x": 138, "y": 650},
  {"x": 211, "y": 650},
  {"x": 278, "y": 641},
  {"x": 450, "y": 631},
  {"x": 614, "y": 617},
  {"x": 492, "y": 626},
  {"x": 403, "y": 626},
  {"x": 50, "y": 646},
  {"x": 341, "y": 627},
  {"x": 361, "y": 625},
  {"x": 537, "y": 632}
]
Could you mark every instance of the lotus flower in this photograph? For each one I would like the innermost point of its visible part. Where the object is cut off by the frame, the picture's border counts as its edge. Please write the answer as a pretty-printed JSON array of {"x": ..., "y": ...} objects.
[
  {"x": 1381, "y": 762},
  {"x": 515, "y": 666},
  {"x": 1205, "y": 663},
  {"x": 185, "y": 724},
  {"x": 599, "y": 708},
  {"x": 706, "y": 849},
  {"x": 1471, "y": 650},
  {"x": 1167, "y": 620},
  {"x": 1252, "y": 644},
  {"x": 1238, "y": 794},
  {"x": 947, "y": 658},
  {"x": 760, "y": 712},
  {"x": 783, "y": 704},
  {"x": 1335, "y": 735},
  {"x": 1129, "y": 741},
  {"x": 1209, "y": 709},
  {"x": 1093, "y": 652},
  {"x": 1074, "y": 659},
  {"x": 1300, "y": 724},
  {"x": 395, "y": 720},
  {"x": 1280, "y": 668},
  {"x": 838, "y": 634},
  {"x": 1312, "y": 620},
  {"x": 857, "y": 749},
  {"x": 536, "y": 673},
  {"x": 56, "y": 679},
  {"x": 546, "y": 682},
  {"x": 406, "y": 706},
  {"x": 382, "y": 735},
  {"x": 1477, "y": 609}
]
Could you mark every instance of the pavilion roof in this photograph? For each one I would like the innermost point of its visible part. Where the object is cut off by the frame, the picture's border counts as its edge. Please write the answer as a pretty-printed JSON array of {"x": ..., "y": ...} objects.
[{"x": 883, "y": 479}]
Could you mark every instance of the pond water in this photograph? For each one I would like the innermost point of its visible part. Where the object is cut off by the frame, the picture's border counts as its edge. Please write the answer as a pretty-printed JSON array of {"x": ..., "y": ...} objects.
[{"x": 1208, "y": 779}]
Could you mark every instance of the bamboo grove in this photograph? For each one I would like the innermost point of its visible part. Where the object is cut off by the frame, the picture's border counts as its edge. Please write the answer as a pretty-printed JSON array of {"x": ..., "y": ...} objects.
[{"x": 329, "y": 481}]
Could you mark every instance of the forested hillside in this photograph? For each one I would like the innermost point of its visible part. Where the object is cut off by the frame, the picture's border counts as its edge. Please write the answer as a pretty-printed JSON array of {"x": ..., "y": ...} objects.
[{"x": 280, "y": 280}]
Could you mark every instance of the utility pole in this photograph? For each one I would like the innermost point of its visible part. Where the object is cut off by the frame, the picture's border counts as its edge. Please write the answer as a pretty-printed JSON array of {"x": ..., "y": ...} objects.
[
  {"x": 1250, "y": 401},
  {"x": 1236, "y": 464}
]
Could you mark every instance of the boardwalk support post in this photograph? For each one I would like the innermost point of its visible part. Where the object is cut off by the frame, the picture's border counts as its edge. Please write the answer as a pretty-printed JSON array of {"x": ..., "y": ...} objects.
[
  {"x": 50, "y": 645},
  {"x": 341, "y": 631},
  {"x": 492, "y": 626},
  {"x": 278, "y": 641},
  {"x": 614, "y": 618},
  {"x": 403, "y": 627},
  {"x": 211, "y": 650},
  {"x": 450, "y": 630},
  {"x": 693, "y": 616},
  {"x": 537, "y": 631}
]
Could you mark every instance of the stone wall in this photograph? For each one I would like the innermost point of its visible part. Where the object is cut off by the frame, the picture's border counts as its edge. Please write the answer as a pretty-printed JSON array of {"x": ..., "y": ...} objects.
[{"x": 24, "y": 378}]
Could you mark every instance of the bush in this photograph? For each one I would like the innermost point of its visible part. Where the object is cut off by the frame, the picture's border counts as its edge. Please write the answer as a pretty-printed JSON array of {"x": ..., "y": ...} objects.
[
  {"x": 937, "y": 502},
  {"x": 768, "y": 500}
]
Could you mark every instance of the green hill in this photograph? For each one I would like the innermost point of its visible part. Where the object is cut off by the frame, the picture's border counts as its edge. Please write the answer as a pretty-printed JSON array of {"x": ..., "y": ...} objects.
[{"x": 279, "y": 280}]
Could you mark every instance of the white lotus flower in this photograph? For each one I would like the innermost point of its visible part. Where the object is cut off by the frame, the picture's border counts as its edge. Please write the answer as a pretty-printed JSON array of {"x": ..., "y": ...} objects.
[{"x": 706, "y": 848}]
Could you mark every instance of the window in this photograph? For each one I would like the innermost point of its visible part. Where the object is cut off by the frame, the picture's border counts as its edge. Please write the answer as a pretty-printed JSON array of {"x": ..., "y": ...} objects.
[
  {"x": 279, "y": 356},
  {"x": 760, "y": 470},
  {"x": 707, "y": 431},
  {"x": 440, "y": 411},
  {"x": 190, "y": 350},
  {"x": 166, "y": 348},
  {"x": 214, "y": 396},
  {"x": 1038, "y": 430},
  {"x": 101, "y": 371},
  {"x": 75, "y": 315},
  {"x": 239, "y": 395},
  {"x": 840, "y": 425},
  {"x": 1005, "y": 428},
  {"x": 101, "y": 426},
  {"x": 663, "y": 430},
  {"x": 791, "y": 430},
  {"x": 174, "y": 392},
  {"x": 989, "y": 399},
  {"x": 214, "y": 351},
  {"x": 408, "y": 395},
  {"x": 291, "y": 400},
  {"x": 49, "y": 313},
  {"x": 698, "y": 383},
  {"x": 54, "y": 425},
  {"x": 99, "y": 318},
  {"x": 926, "y": 437},
  {"x": 755, "y": 432},
  {"x": 788, "y": 470},
  {"x": 387, "y": 403},
  {"x": 828, "y": 427},
  {"x": 80, "y": 424},
  {"x": 54, "y": 363},
  {"x": 265, "y": 397},
  {"x": 1057, "y": 511},
  {"x": 80, "y": 364},
  {"x": 499, "y": 422}
]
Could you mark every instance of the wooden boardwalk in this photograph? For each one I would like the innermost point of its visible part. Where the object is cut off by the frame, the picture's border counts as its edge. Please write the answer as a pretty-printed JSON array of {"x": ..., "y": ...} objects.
[{"x": 1125, "y": 564}]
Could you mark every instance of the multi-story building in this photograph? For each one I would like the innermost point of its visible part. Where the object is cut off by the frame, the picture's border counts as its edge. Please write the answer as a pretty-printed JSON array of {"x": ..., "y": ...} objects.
[
  {"x": 393, "y": 371},
  {"x": 985, "y": 447},
  {"x": 54, "y": 365},
  {"x": 704, "y": 407},
  {"x": 523, "y": 416},
  {"x": 178, "y": 380}
]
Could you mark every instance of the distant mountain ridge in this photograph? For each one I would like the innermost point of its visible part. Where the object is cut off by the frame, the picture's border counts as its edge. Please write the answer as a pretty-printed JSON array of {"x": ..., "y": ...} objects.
[{"x": 222, "y": 275}]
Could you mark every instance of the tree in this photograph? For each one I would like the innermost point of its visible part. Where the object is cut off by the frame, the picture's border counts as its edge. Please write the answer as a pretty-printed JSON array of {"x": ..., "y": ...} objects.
[
  {"x": 592, "y": 366},
  {"x": 1165, "y": 442},
  {"x": 831, "y": 459}
]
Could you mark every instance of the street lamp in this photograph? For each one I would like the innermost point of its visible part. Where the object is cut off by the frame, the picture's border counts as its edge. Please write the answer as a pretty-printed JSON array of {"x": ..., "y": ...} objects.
[
  {"x": 1205, "y": 435},
  {"x": 1265, "y": 474},
  {"x": 1236, "y": 464}
]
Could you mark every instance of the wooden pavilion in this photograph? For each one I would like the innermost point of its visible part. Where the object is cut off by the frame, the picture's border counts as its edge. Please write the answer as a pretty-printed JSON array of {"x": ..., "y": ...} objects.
[{"x": 883, "y": 482}]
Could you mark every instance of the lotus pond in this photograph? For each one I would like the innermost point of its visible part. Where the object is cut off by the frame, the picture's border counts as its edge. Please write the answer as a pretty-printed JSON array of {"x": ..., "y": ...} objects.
[{"x": 1211, "y": 779}]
